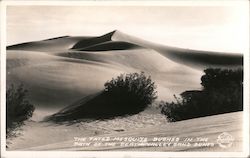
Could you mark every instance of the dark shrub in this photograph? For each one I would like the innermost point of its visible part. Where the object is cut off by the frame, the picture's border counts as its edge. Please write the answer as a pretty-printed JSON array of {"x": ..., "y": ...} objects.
[
  {"x": 18, "y": 109},
  {"x": 131, "y": 93},
  {"x": 184, "y": 107},
  {"x": 222, "y": 93},
  {"x": 124, "y": 95},
  {"x": 224, "y": 89},
  {"x": 222, "y": 78}
]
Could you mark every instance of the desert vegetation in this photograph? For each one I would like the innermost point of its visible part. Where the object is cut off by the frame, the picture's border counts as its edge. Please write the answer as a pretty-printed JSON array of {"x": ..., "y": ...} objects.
[
  {"x": 18, "y": 108},
  {"x": 133, "y": 91},
  {"x": 127, "y": 94},
  {"x": 222, "y": 93}
]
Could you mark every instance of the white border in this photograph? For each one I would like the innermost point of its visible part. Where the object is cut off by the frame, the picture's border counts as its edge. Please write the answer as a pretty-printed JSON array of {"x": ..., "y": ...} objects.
[
  {"x": 3, "y": 78},
  {"x": 64, "y": 154}
]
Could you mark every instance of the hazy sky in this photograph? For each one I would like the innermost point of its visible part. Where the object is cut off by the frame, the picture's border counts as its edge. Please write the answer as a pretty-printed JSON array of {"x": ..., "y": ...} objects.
[{"x": 207, "y": 28}]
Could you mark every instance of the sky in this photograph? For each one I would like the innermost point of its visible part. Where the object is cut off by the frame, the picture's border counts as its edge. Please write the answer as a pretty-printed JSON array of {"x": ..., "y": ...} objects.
[{"x": 214, "y": 28}]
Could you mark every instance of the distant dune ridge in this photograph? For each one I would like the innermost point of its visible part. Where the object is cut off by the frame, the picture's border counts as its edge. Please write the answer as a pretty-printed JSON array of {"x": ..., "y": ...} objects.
[
  {"x": 117, "y": 40},
  {"x": 59, "y": 71}
]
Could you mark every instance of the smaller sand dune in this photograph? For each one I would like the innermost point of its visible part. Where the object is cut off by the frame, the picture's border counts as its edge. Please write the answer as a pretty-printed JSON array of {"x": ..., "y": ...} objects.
[{"x": 42, "y": 74}]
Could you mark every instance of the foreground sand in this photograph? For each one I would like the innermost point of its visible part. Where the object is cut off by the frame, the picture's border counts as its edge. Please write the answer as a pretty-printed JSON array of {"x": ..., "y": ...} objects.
[{"x": 207, "y": 128}]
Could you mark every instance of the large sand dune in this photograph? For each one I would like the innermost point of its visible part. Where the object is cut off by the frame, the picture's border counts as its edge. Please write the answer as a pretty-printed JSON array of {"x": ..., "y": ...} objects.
[
  {"x": 60, "y": 71},
  {"x": 57, "y": 72}
]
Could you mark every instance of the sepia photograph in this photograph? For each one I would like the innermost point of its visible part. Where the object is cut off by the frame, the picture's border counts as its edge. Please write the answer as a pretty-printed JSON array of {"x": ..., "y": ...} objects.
[{"x": 124, "y": 79}]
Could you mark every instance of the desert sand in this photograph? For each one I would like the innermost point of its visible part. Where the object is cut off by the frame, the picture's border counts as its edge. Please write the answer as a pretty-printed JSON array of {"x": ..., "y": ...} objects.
[
  {"x": 45, "y": 136},
  {"x": 60, "y": 71}
]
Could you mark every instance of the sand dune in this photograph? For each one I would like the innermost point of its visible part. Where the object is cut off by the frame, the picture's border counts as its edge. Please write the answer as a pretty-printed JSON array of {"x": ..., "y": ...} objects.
[
  {"x": 62, "y": 70},
  {"x": 56, "y": 77},
  {"x": 55, "y": 81},
  {"x": 58, "y": 80}
]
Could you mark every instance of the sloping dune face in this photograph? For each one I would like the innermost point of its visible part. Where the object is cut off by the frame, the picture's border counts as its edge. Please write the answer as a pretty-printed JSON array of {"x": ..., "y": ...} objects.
[
  {"x": 58, "y": 72},
  {"x": 197, "y": 59},
  {"x": 56, "y": 81}
]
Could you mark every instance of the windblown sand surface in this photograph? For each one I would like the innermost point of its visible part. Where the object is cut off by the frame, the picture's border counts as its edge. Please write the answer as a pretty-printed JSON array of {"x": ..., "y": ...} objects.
[
  {"x": 45, "y": 136},
  {"x": 60, "y": 71}
]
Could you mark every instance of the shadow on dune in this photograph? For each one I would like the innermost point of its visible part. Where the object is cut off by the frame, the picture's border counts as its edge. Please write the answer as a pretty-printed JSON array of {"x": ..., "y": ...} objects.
[
  {"x": 111, "y": 45},
  {"x": 93, "y": 41},
  {"x": 97, "y": 106}
]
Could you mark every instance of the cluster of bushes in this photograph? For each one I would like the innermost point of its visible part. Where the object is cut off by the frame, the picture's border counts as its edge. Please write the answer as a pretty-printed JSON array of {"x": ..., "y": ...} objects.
[
  {"x": 222, "y": 93},
  {"x": 18, "y": 108},
  {"x": 131, "y": 93}
]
